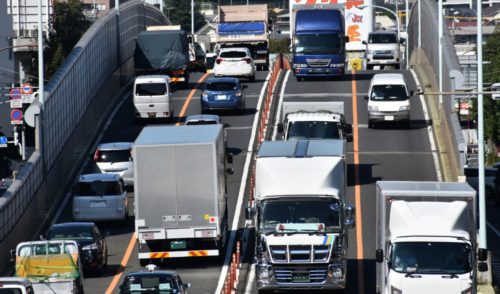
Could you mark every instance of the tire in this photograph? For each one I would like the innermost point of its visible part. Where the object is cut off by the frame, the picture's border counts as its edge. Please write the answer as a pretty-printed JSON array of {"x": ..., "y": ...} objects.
[
  {"x": 369, "y": 67},
  {"x": 299, "y": 79},
  {"x": 397, "y": 66},
  {"x": 252, "y": 78},
  {"x": 144, "y": 262},
  {"x": 489, "y": 193},
  {"x": 497, "y": 198},
  {"x": 370, "y": 124}
]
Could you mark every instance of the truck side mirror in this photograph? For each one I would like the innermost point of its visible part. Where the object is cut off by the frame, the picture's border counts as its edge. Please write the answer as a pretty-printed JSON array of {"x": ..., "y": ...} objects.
[
  {"x": 229, "y": 157},
  {"x": 363, "y": 42},
  {"x": 347, "y": 39},
  {"x": 349, "y": 217},
  {"x": 42, "y": 237},
  {"x": 482, "y": 267},
  {"x": 187, "y": 285},
  {"x": 244, "y": 87},
  {"x": 230, "y": 171},
  {"x": 482, "y": 254},
  {"x": 12, "y": 255},
  {"x": 412, "y": 93},
  {"x": 379, "y": 255},
  {"x": 249, "y": 213},
  {"x": 280, "y": 128},
  {"x": 348, "y": 128}
]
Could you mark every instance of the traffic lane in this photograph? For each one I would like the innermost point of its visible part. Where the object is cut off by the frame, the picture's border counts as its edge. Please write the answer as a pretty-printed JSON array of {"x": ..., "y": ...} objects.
[{"x": 493, "y": 239}]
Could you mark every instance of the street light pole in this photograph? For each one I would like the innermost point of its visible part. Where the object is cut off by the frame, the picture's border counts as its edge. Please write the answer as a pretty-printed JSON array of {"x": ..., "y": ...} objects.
[
  {"x": 192, "y": 19},
  {"x": 440, "y": 50},
  {"x": 40, "y": 56},
  {"x": 419, "y": 23},
  {"x": 407, "y": 49}
]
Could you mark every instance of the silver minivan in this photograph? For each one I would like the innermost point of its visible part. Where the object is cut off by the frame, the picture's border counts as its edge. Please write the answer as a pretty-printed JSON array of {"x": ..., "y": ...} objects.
[
  {"x": 152, "y": 97},
  {"x": 100, "y": 197}
]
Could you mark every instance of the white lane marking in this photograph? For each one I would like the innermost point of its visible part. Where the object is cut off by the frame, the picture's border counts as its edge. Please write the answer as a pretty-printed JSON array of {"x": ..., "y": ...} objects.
[
  {"x": 241, "y": 193},
  {"x": 326, "y": 95},
  {"x": 251, "y": 279},
  {"x": 280, "y": 103},
  {"x": 96, "y": 143},
  {"x": 237, "y": 128},
  {"x": 198, "y": 98},
  {"x": 429, "y": 130},
  {"x": 497, "y": 232}
]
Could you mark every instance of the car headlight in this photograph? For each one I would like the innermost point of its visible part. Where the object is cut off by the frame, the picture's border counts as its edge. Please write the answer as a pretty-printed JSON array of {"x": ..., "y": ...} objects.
[
  {"x": 395, "y": 290},
  {"x": 404, "y": 108},
  {"x": 467, "y": 291},
  {"x": 372, "y": 108},
  {"x": 92, "y": 246},
  {"x": 238, "y": 94}
]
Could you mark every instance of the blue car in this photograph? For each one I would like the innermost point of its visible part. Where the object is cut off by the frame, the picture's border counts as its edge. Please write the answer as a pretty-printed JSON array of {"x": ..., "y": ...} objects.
[{"x": 223, "y": 94}]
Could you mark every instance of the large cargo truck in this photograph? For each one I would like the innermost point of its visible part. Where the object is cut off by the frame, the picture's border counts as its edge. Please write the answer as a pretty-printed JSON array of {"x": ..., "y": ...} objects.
[
  {"x": 300, "y": 215},
  {"x": 313, "y": 120},
  {"x": 180, "y": 191},
  {"x": 245, "y": 26},
  {"x": 163, "y": 50},
  {"x": 426, "y": 238}
]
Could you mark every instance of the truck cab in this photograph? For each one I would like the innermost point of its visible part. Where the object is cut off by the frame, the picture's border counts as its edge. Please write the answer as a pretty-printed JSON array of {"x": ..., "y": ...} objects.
[{"x": 382, "y": 49}]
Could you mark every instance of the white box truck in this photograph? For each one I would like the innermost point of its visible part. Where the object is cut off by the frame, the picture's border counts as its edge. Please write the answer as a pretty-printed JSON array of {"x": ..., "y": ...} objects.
[
  {"x": 300, "y": 215},
  {"x": 426, "y": 238},
  {"x": 180, "y": 191},
  {"x": 309, "y": 120}
]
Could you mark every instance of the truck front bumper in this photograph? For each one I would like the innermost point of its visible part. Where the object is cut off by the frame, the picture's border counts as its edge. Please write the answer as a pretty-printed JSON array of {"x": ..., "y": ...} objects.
[
  {"x": 319, "y": 72},
  {"x": 307, "y": 276}
]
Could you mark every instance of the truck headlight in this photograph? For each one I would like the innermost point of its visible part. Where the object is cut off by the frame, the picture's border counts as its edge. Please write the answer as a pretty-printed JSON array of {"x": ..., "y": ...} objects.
[
  {"x": 372, "y": 108},
  {"x": 404, "y": 108},
  {"x": 467, "y": 291},
  {"x": 395, "y": 290},
  {"x": 92, "y": 246},
  {"x": 336, "y": 271},
  {"x": 263, "y": 273}
]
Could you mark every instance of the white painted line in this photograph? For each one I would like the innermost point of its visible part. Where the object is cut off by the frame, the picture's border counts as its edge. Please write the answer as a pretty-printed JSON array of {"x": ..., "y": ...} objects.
[
  {"x": 241, "y": 193},
  {"x": 326, "y": 95},
  {"x": 198, "y": 97},
  {"x": 280, "y": 103},
  {"x": 98, "y": 140},
  {"x": 237, "y": 128},
  {"x": 429, "y": 130},
  {"x": 495, "y": 230},
  {"x": 251, "y": 279}
]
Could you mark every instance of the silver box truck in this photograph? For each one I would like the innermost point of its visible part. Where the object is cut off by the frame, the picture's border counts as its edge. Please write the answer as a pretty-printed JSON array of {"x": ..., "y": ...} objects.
[
  {"x": 180, "y": 191},
  {"x": 426, "y": 238}
]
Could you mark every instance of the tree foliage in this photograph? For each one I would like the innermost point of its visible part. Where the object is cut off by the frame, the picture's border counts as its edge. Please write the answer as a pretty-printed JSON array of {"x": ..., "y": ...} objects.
[{"x": 179, "y": 13}]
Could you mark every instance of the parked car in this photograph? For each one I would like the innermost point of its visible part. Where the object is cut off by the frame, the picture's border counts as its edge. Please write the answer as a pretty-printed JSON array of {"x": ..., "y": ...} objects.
[
  {"x": 472, "y": 177},
  {"x": 223, "y": 93},
  {"x": 100, "y": 197},
  {"x": 116, "y": 158},
  {"x": 153, "y": 281},
  {"x": 203, "y": 119},
  {"x": 235, "y": 62},
  {"x": 93, "y": 246}
]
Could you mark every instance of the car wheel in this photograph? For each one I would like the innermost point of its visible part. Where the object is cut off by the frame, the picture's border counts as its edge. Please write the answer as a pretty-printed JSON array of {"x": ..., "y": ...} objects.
[
  {"x": 252, "y": 78},
  {"x": 144, "y": 262},
  {"x": 370, "y": 124}
]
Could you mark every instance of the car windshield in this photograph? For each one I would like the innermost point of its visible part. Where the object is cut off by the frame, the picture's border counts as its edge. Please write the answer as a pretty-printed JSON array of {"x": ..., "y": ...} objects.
[
  {"x": 307, "y": 211},
  {"x": 382, "y": 39},
  {"x": 114, "y": 155},
  {"x": 431, "y": 257},
  {"x": 319, "y": 43},
  {"x": 98, "y": 188},
  {"x": 10, "y": 290},
  {"x": 389, "y": 93},
  {"x": 70, "y": 233},
  {"x": 151, "y": 89},
  {"x": 221, "y": 86},
  {"x": 233, "y": 54},
  {"x": 162, "y": 284},
  {"x": 302, "y": 130}
]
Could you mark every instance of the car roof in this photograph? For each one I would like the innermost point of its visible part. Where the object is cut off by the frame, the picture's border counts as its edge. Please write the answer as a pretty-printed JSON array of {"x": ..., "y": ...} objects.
[
  {"x": 388, "y": 78},
  {"x": 198, "y": 117},
  {"x": 15, "y": 280},
  {"x": 383, "y": 33},
  {"x": 241, "y": 49},
  {"x": 160, "y": 78},
  {"x": 222, "y": 80},
  {"x": 108, "y": 177},
  {"x": 146, "y": 273},
  {"x": 115, "y": 146},
  {"x": 73, "y": 224}
]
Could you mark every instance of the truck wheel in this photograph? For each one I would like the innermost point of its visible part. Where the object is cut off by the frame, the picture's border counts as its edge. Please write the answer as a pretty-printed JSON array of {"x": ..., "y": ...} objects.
[
  {"x": 497, "y": 198},
  {"x": 369, "y": 67},
  {"x": 370, "y": 124},
  {"x": 299, "y": 79},
  {"x": 397, "y": 66},
  {"x": 144, "y": 262},
  {"x": 252, "y": 78}
]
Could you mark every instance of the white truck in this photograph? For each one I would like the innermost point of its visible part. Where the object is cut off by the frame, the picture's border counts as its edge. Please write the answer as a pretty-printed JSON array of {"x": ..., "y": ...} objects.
[
  {"x": 13, "y": 285},
  {"x": 426, "y": 238},
  {"x": 180, "y": 191},
  {"x": 300, "y": 215},
  {"x": 312, "y": 120},
  {"x": 51, "y": 266}
]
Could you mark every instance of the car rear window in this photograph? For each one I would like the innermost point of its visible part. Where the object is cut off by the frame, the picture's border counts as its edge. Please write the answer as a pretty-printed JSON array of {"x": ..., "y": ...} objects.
[
  {"x": 151, "y": 89},
  {"x": 201, "y": 122},
  {"x": 221, "y": 86},
  {"x": 382, "y": 38},
  {"x": 10, "y": 291},
  {"x": 163, "y": 284},
  {"x": 114, "y": 155},
  {"x": 98, "y": 188},
  {"x": 233, "y": 54}
]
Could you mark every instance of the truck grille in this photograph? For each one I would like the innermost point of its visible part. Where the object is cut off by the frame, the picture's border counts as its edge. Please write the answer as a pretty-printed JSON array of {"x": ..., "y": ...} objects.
[
  {"x": 381, "y": 57},
  {"x": 299, "y": 253},
  {"x": 383, "y": 52},
  {"x": 316, "y": 276},
  {"x": 318, "y": 62}
]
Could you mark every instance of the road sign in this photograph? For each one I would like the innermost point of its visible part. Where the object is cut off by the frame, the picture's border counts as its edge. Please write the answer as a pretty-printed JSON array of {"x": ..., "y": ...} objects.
[
  {"x": 26, "y": 89},
  {"x": 15, "y": 93},
  {"x": 16, "y": 117},
  {"x": 3, "y": 141},
  {"x": 16, "y": 103}
]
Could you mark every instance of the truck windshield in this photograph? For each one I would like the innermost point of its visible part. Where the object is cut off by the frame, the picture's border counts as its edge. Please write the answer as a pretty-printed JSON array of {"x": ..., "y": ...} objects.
[
  {"x": 150, "y": 89},
  {"x": 301, "y": 130},
  {"x": 318, "y": 43},
  {"x": 431, "y": 258},
  {"x": 382, "y": 39},
  {"x": 388, "y": 93},
  {"x": 293, "y": 211}
]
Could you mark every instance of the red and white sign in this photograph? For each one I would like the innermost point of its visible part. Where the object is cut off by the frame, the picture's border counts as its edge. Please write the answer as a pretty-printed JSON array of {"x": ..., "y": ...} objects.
[
  {"x": 26, "y": 89},
  {"x": 16, "y": 117}
]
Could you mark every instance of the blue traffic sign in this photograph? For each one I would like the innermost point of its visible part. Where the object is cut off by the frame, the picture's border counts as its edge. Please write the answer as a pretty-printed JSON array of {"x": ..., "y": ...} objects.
[
  {"x": 3, "y": 140},
  {"x": 15, "y": 93}
]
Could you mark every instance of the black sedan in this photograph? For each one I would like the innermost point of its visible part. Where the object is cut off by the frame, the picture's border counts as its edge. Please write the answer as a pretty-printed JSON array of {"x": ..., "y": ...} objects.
[
  {"x": 93, "y": 247},
  {"x": 153, "y": 281}
]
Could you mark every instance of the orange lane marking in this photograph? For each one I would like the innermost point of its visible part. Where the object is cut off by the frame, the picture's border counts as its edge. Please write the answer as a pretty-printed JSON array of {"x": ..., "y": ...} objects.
[
  {"x": 123, "y": 264},
  {"x": 357, "y": 188},
  {"x": 133, "y": 239},
  {"x": 191, "y": 94}
]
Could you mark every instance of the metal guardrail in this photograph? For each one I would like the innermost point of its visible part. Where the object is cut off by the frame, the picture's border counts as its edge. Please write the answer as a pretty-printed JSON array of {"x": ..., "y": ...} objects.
[{"x": 73, "y": 110}]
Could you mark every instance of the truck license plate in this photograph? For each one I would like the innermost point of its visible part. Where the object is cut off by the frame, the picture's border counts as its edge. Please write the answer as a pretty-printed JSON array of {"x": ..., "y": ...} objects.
[
  {"x": 178, "y": 245},
  {"x": 151, "y": 114},
  {"x": 389, "y": 117},
  {"x": 300, "y": 277},
  {"x": 98, "y": 204}
]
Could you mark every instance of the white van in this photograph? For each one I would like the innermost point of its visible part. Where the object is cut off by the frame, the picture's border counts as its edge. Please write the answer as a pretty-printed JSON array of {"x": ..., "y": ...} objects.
[
  {"x": 388, "y": 99},
  {"x": 152, "y": 97},
  {"x": 100, "y": 197}
]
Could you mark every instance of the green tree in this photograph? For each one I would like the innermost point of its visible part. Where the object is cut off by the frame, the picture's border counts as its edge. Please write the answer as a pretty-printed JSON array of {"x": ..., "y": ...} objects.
[{"x": 179, "y": 13}]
